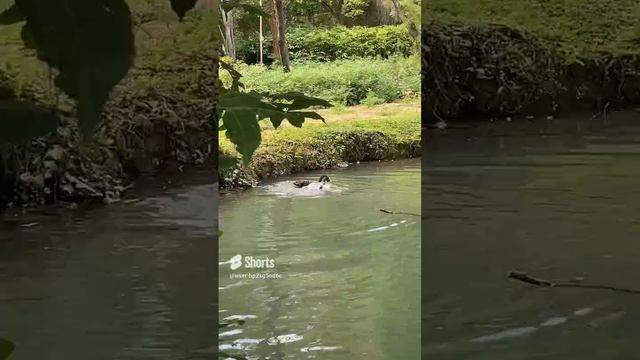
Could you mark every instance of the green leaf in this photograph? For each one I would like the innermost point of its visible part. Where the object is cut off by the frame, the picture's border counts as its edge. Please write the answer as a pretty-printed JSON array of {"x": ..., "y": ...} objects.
[
  {"x": 6, "y": 348},
  {"x": 181, "y": 7},
  {"x": 226, "y": 162},
  {"x": 11, "y": 16},
  {"x": 21, "y": 122},
  {"x": 277, "y": 119},
  {"x": 236, "y": 85},
  {"x": 90, "y": 43},
  {"x": 241, "y": 112},
  {"x": 28, "y": 40},
  {"x": 302, "y": 101},
  {"x": 296, "y": 118},
  {"x": 243, "y": 130},
  {"x": 250, "y": 101}
]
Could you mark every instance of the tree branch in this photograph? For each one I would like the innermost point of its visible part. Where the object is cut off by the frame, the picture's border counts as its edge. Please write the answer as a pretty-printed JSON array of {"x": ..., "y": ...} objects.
[{"x": 524, "y": 277}]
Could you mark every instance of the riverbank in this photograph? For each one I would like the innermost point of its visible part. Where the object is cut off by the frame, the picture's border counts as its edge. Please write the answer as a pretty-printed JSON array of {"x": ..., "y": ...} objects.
[
  {"x": 149, "y": 128},
  {"x": 158, "y": 119},
  {"x": 359, "y": 133},
  {"x": 538, "y": 61}
]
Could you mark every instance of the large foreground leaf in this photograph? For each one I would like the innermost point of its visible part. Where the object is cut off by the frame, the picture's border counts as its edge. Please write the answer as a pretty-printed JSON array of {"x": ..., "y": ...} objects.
[
  {"x": 240, "y": 114},
  {"x": 181, "y": 7},
  {"x": 22, "y": 121},
  {"x": 301, "y": 101},
  {"x": 226, "y": 162},
  {"x": 90, "y": 43},
  {"x": 11, "y": 15},
  {"x": 244, "y": 131},
  {"x": 6, "y": 348},
  {"x": 242, "y": 111}
]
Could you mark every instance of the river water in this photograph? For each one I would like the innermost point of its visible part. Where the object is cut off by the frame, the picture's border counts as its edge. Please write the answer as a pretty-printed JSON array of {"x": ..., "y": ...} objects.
[
  {"x": 132, "y": 280},
  {"x": 349, "y": 275},
  {"x": 558, "y": 199}
]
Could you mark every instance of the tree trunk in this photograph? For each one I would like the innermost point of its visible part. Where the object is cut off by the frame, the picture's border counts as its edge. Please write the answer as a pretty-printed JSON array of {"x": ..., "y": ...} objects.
[
  {"x": 278, "y": 29},
  {"x": 411, "y": 26},
  {"x": 335, "y": 9},
  {"x": 216, "y": 89},
  {"x": 229, "y": 40}
]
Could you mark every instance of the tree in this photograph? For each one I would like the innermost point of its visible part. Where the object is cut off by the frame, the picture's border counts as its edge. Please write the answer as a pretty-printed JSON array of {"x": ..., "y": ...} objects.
[
  {"x": 228, "y": 24},
  {"x": 278, "y": 30},
  {"x": 409, "y": 13},
  {"x": 346, "y": 12}
]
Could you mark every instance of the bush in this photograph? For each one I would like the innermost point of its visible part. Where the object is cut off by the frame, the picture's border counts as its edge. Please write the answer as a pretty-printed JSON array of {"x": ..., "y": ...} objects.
[
  {"x": 346, "y": 82},
  {"x": 344, "y": 43}
]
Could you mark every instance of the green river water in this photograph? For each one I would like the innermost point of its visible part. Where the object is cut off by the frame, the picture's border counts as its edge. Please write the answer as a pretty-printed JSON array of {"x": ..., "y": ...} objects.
[
  {"x": 349, "y": 285},
  {"x": 556, "y": 198},
  {"x": 131, "y": 281}
]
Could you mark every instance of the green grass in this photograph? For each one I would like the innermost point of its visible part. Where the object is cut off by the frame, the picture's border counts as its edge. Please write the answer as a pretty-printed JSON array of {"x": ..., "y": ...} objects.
[
  {"x": 403, "y": 123},
  {"x": 579, "y": 26},
  {"x": 347, "y": 82},
  {"x": 403, "y": 126}
]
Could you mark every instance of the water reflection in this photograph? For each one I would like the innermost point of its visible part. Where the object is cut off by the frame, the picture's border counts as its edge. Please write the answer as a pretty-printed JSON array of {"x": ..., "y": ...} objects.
[
  {"x": 128, "y": 281},
  {"x": 557, "y": 198},
  {"x": 346, "y": 292}
]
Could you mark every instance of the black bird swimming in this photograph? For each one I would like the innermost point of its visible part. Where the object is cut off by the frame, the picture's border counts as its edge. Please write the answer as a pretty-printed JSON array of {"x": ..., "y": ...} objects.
[{"x": 324, "y": 179}]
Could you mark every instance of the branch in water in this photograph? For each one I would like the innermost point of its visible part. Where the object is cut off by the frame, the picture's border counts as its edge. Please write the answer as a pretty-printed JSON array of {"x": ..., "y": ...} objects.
[
  {"x": 524, "y": 277},
  {"x": 399, "y": 212}
]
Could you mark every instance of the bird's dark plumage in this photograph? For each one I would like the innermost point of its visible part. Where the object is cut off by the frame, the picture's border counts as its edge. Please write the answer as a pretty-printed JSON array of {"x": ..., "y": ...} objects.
[{"x": 302, "y": 183}]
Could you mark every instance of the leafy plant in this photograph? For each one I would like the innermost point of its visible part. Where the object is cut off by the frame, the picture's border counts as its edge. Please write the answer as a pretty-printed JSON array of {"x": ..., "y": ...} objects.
[
  {"x": 346, "y": 82},
  {"x": 241, "y": 113},
  {"x": 355, "y": 42},
  {"x": 372, "y": 100},
  {"x": 6, "y": 348}
]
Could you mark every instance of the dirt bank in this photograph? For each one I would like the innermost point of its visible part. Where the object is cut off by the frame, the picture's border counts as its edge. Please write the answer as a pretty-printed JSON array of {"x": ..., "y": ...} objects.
[{"x": 485, "y": 71}]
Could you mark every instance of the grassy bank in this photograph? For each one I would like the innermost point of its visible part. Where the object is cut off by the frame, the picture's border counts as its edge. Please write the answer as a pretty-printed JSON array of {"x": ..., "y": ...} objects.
[
  {"x": 158, "y": 118},
  {"x": 578, "y": 26},
  {"x": 509, "y": 58},
  {"x": 385, "y": 132},
  {"x": 346, "y": 82}
]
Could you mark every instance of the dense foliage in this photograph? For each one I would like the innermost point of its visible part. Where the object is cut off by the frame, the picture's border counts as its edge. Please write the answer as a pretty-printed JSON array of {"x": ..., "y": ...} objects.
[
  {"x": 346, "y": 82},
  {"x": 308, "y": 21},
  {"x": 341, "y": 42}
]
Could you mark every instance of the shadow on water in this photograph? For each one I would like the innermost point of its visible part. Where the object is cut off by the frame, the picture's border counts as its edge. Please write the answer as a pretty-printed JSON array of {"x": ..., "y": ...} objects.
[
  {"x": 557, "y": 198},
  {"x": 111, "y": 283},
  {"x": 349, "y": 285}
]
